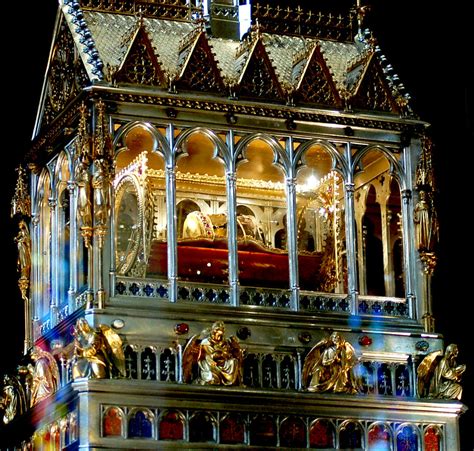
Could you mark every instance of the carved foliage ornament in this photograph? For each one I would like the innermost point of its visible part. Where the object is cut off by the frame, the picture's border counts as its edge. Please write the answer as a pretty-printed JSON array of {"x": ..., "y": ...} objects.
[{"x": 66, "y": 76}]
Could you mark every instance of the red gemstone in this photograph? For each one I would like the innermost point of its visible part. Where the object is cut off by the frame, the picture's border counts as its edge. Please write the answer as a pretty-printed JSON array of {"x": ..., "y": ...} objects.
[
  {"x": 181, "y": 328},
  {"x": 365, "y": 341}
]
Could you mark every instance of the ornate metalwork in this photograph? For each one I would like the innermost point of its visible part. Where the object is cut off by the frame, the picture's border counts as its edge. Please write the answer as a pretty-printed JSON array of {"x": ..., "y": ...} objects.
[
  {"x": 258, "y": 77},
  {"x": 13, "y": 401},
  {"x": 425, "y": 214},
  {"x": 66, "y": 77},
  {"x": 372, "y": 92},
  {"x": 140, "y": 65},
  {"x": 440, "y": 376},
  {"x": 196, "y": 75},
  {"x": 21, "y": 201},
  {"x": 163, "y": 9},
  {"x": 315, "y": 83},
  {"x": 98, "y": 352},
  {"x": 298, "y": 22},
  {"x": 44, "y": 375},
  {"x": 218, "y": 359},
  {"x": 266, "y": 111},
  {"x": 329, "y": 366}
]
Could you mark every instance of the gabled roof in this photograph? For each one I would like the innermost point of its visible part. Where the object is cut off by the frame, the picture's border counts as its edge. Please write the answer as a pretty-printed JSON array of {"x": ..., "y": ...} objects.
[
  {"x": 193, "y": 74},
  {"x": 140, "y": 64},
  {"x": 154, "y": 52}
]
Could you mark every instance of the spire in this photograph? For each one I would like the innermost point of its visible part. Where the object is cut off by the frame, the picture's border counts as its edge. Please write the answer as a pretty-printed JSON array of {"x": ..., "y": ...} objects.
[{"x": 361, "y": 11}]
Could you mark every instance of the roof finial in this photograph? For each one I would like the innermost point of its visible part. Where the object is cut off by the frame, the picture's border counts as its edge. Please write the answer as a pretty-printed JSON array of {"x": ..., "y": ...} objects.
[{"x": 361, "y": 11}]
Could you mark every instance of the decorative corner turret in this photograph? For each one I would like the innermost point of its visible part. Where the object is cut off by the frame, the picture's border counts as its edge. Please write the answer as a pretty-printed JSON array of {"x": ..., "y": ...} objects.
[{"x": 229, "y": 19}]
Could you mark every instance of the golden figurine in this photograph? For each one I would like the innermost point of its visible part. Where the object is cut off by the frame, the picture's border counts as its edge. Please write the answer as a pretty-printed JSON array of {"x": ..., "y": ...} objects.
[
  {"x": 422, "y": 219},
  {"x": 439, "y": 376},
  {"x": 84, "y": 205},
  {"x": 44, "y": 375},
  {"x": 218, "y": 360},
  {"x": 329, "y": 366},
  {"x": 98, "y": 352},
  {"x": 23, "y": 242},
  {"x": 13, "y": 399}
]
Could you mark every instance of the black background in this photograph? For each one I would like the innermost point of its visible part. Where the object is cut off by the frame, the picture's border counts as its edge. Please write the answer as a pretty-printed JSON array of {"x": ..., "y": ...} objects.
[{"x": 429, "y": 46}]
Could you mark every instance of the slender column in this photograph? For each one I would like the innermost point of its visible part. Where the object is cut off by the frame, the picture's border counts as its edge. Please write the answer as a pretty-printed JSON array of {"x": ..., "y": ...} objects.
[
  {"x": 35, "y": 290},
  {"x": 231, "y": 181},
  {"x": 292, "y": 230},
  {"x": 73, "y": 246},
  {"x": 351, "y": 235},
  {"x": 409, "y": 280},
  {"x": 291, "y": 242},
  {"x": 171, "y": 215},
  {"x": 53, "y": 261},
  {"x": 231, "y": 187}
]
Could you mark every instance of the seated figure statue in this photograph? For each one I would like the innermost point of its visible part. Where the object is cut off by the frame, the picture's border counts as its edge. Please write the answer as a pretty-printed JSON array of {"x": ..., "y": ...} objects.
[
  {"x": 329, "y": 366},
  {"x": 218, "y": 360},
  {"x": 440, "y": 376},
  {"x": 98, "y": 352}
]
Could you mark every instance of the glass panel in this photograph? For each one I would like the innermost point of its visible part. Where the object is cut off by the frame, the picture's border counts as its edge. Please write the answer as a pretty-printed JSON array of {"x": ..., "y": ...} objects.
[
  {"x": 171, "y": 426},
  {"x": 293, "y": 433},
  {"x": 64, "y": 245},
  {"x": 263, "y": 431},
  {"x": 128, "y": 227},
  {"x": 320, "y": 224},
  {"x": 321, "y": 435},
  {"x": 140, "y": 425},
  {"x": 350, "y": 436},
  {"x": 432, "y": 439},
  {"x": 113, "y": 422},
  {"x": 232, "y": 430},
  {"x": 395, "y": 236},
  {"x": 202, "y": 428},
  {"x": 379, "y": 228},
  {"x": 201, "y": 207},
  {"x": 407, "y": 439},
  {"x": 379, "y": 438},
  {"x": 261, "y": 209},
  {"x": 44, "y": 259}
]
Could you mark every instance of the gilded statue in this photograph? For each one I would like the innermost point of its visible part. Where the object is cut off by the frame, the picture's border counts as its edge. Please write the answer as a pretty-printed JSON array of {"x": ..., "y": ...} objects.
[
  {"x": 422, "y": 219},
  {"x": 440, "y": 376},
  {"x": 13, "y": 400},
  {"x": 329, "y": 366},
  {"x": 98, "y": 352},
  {"x": 218, "y": 359},
  {"x": 23, "y": 242},
  {"x": 84, "y": 205},
  {"x": 100, "y": 184},
  {"x": 44, "y": 375}
]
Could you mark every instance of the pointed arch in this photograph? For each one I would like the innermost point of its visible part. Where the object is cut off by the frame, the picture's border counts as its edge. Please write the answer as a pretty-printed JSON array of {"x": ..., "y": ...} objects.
[
  {"x": 221, "y": 149},
  {"x": 281, "y": 158},
  {"x": 396, "y": 169}
]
